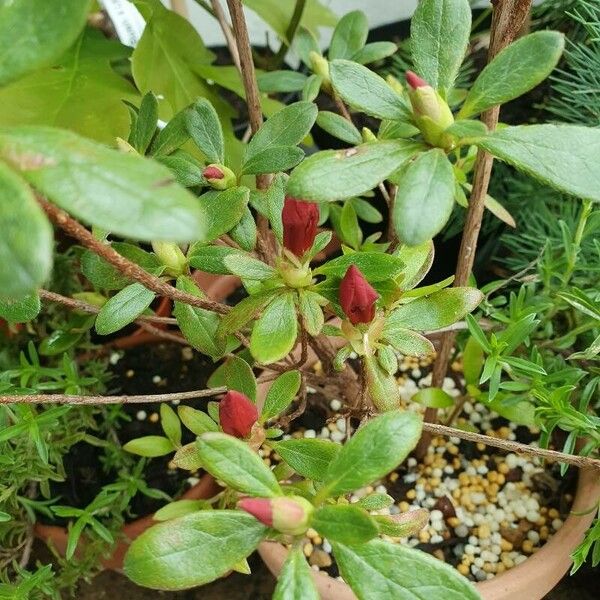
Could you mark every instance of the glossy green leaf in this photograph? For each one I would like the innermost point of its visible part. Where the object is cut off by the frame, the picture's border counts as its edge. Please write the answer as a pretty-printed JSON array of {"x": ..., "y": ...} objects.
[
  {"x": 473, "y": 358},
  {"x": 232, "y": 461},
  {"x": 295, "y": 582},
  {"x": 196, "y": 421},
  {"x": 21, "y": 310},
  {"x": 308, "y": 457},
  {"x": 375, "y": 266},
  {"x": 235, "y": 374},
  {"x": 344, "y": 523},
  {"x": 192, "y": 550},
  {"x": 26, "y": 243},
  {"x": 417, "y": 262},
  {"x": 433, "y": 398},
  {"x": 204, "y": 127},
  {"x": 274, "y": 333},
  {"x": 515, "y": 70},
  {"x": 563, "y": 156},
  {"x": 123, "y": 193},
  {"x": 366, "y": 91},
  {"x": 349, "y": 36},
  {"x": 339, "y": 127},
  {"x": 281, "y": 394},
  {"x": 123, "y": 308},
  {"x": 439, "y": 36},
  {"x": 435, "y": 311},
  {"x": 332, "y": 175},
  {"x": 150, "y": 446},
  {"x": 388, "y": 571},
  {"x": 33, "y": 33},
  {"x": 373, "y": 451},
  {"x": 170, "y": 424},
  {"x": 424, "y": 198}
]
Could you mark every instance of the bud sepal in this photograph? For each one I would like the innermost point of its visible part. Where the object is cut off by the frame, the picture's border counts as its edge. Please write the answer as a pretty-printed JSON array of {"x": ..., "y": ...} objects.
[{"x": 219, "y": 177}]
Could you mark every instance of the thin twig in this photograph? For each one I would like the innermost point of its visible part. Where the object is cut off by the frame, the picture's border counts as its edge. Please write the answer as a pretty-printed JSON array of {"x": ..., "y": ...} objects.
[
  {"x": 128, "y": 268},
  {"x": 290, "y": 33},
  {"x": 165, "y": 335},
  {"x": 509, "y": 446},
  {"x": 71, "y": 399},
  {"x": 219, "y": 14}
]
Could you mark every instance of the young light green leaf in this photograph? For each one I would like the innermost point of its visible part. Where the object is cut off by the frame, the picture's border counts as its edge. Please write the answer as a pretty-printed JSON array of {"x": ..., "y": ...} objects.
[
  {"x": 374, "y": 52},
  {"x": 332, "y": 175},
  {"x": 196, "y": 421},
  {"x": 187, "y": 458},
  {"x": 26, "y": 244},
  {"x": 311, "y": 311},
  {"x": 376, "y": 501},
  {"x": 170, "y": 424},
  {"x": 235, "y": 374},
  {"x": 20, "y": 311},
  {"x": 433, "y": 398},
  {"x": 124, "y": 193},
  {"x": 472, "y": 361},
  {"x": 192, "y": 550},
  {"x": 123, "y": 308},
  {"x": 150, "y": 446},
  {"x": 33, "y": 34},
  {"x": 245, "y": 311},
  {"x": 517, "y": 69},
  {"x": 349, "y": 229},
  {"x": 232, "y": 461},
  {"x": 439, "y": 36},
  {"x": 417, "y": 262},
  {"x": 424, "y": 198},
  {"x": 312, "y": 87},
  {"x": 563, "y": 156},
  {"x": 387, "y": 571},
  {"x": 274, "y": 333},
  {"x": 203, "y": 125},
  {"x": 366, "y": 91},
  {"x": 281, "y": 394},
  {"x": 435, "y": 311},
  {"x": 349, "y": 35},
  {"x": 295, "y": 582},
  {"x": 339, "y": 127},
  {"x": 373, "y": 451},
  {"x": 344, "y": 523},
  {"x": 407, "y": 342},
  {"x": 247, "y": 267},
  {"x": 308, "y": 457}
]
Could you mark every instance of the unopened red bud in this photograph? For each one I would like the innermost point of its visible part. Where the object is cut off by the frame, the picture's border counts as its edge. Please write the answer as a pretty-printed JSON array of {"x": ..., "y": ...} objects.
[
  {"x": 259, "y": 508},
  {"x": 357, "y": 297},
  {"x": 219, "y": 177},
  {"x": 300, "y": 221},
  {"x": 414, "y": 80},
  {"x": 237, "y": 414},
  {"x": 287, "y": 514},
  {"x": 212, "y": 172}
]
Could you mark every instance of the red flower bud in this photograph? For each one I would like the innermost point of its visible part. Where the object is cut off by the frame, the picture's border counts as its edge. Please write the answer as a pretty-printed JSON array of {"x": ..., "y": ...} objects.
[
  {"x": 212, "y": 172},
  {"x": 237, "y": 414},
  {"x": 357, "y": 297},
  {"x": 287, "y": 514},
  {"x": 299, "y": 225},
  {"x": 415, "y": 81}
]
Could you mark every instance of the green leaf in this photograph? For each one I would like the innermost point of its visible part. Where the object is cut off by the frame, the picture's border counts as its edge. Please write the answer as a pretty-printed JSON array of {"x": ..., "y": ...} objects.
[
  {"x": 33, "y": 34},
  {"x": 349, "y": 36},
  {"x": 4, "y": 517},
  {"x": 433, "y": 398},
  {"x": 187, "y": 457},
  {"x": 273, "y": 160},
  {"x": 344, "y": 523},
  {"x": 76, "y": 92},
  {"x": 179, "y": 508},
  {"x": 424, "y": 198},
  {"x": 123, "y": 193},
  {"x": 232, "y": 461},
  {"x": 171, "y": 425},
  {"x": 439, "y": 36},
  {"x": 332, "y": 175},
  {"x": 338, "y": 127},
  {"x": 21, "y": 310},
  {"x": 287, "y": 127},
  {"x": 517, "y": 69},
  {"x": 274, "y": 333},
  {"x": 373, "y": 451},
  {"x": 198, "y": 325},
  {"x": 417, "y": 262},
  {"x": 281, "y": 394},
  {"x": 185, "y": 168},
  {"x": 275, "y": 82},
  {"x": 192, "y": 550},
  {"x": 376, "y": 501},
  {"x": 295, "y": 582},
  {"x": 375, "y": 266},
  {"x": 312, "y": 87},
  {"x": 472, "y": 361},
  {"x": 270, "y": 203},
  {"x": 366, "y": 91},
  {"x": 145, "y": 124},
  {"x": 150, "y": 446},
  {"x": 235, "y": 374},
  {"x": 123, "y": 308},
  {"x": 308, "y": 457},
  {"x": 223, "y": 211},
  {"x": 349, "y": 229},
  {"x": 247, "y": 267},
  {"x": 563, "y": 156},
  {"x": 388, "y": 571},
  {"x": 244, "y": 311},
  {"x": 204, "y": 127},
  {"x": 26, "y": 243},
  {"x": 435, "y": 311},
  {"x": 311, "y": 311},
  {"x": 210, "y": 259},
  {"x": 173, "y": 135},
  {"x": 374, "y": 52},
  {"x": 404, "y": 524},
  {"x": 405, "y": 341},
  {"x": 196, "y": 421}
]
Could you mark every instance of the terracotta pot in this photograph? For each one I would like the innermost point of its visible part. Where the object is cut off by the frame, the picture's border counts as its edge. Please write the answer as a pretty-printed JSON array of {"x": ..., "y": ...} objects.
[
  {"x": 531, "y": 580},
  {"x": 58, "y": 536}
]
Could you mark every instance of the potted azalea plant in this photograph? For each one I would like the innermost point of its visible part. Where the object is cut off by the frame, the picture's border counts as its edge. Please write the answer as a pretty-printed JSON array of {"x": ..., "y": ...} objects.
[{"x": 179, "y": 196}]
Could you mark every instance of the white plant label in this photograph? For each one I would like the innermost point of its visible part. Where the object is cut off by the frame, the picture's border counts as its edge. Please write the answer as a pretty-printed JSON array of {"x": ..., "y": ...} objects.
[{"x": 127, "y": 20}]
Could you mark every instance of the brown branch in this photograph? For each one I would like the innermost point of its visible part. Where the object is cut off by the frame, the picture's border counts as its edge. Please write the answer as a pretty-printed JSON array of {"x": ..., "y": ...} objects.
[
  {"x": 71, "y": 399},
  {"x": 226, "y": 28},
  {"x": 165, "y": 335},
  {"x": 509, "y": 446},
  {"x": 128, "y": 268}
]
